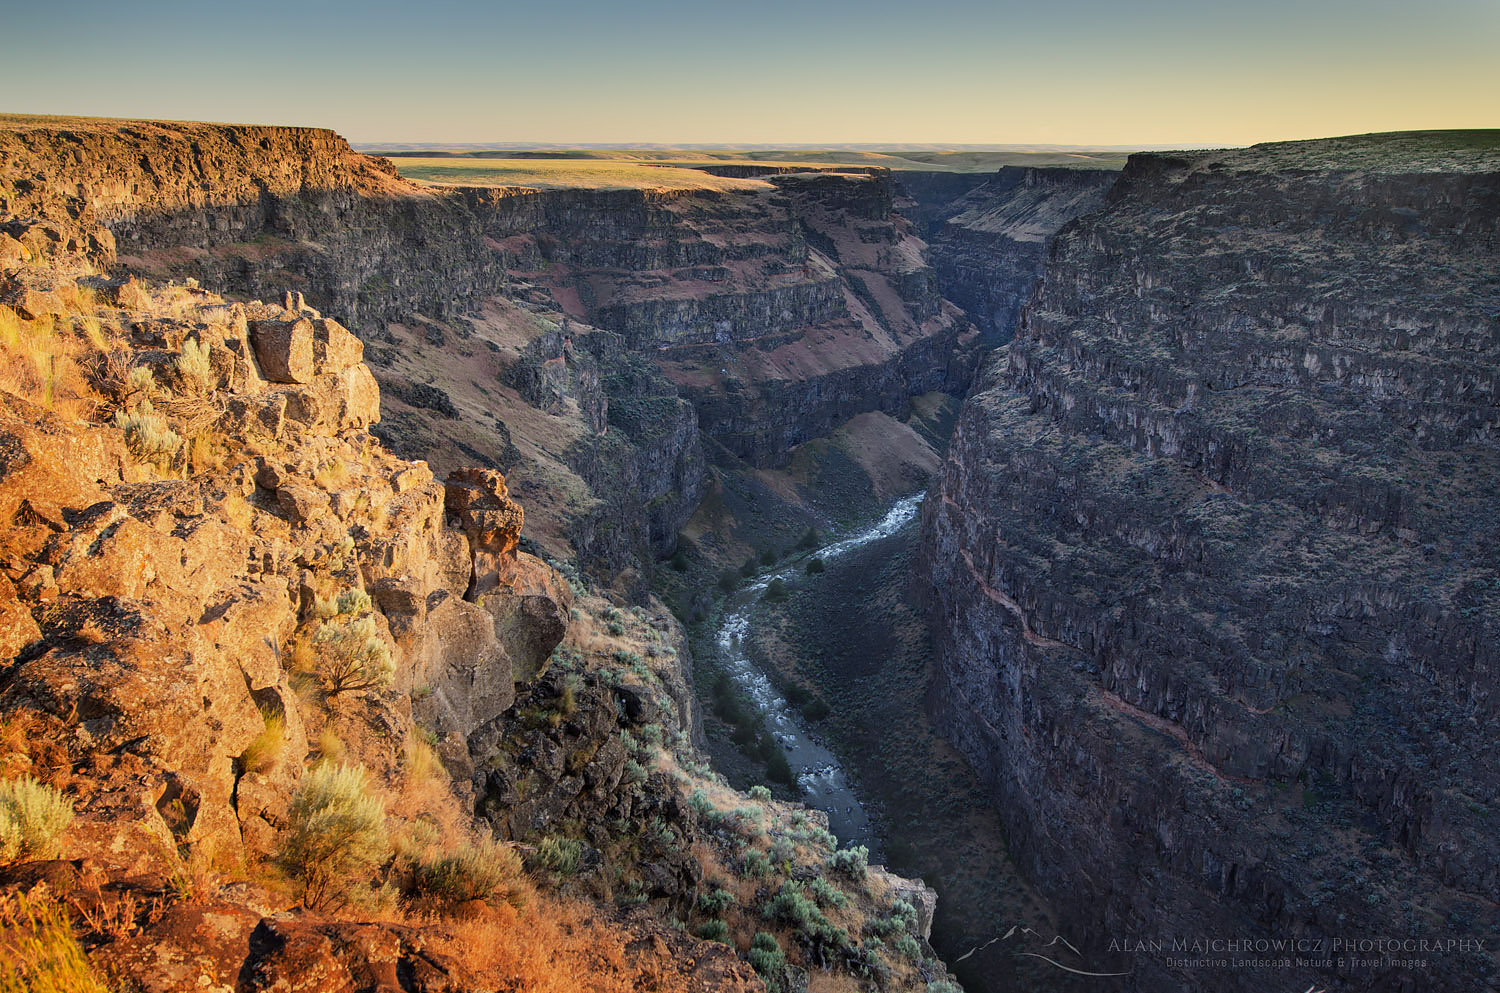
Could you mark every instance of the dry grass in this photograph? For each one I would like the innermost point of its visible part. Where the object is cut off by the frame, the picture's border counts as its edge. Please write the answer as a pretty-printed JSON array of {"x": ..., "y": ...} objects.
[
  {"x": 554, "y": 174},
  {"x": 549, "y": 947},
  {"x": 41, "y": 362},
  {"x": 38, "y": 951}
]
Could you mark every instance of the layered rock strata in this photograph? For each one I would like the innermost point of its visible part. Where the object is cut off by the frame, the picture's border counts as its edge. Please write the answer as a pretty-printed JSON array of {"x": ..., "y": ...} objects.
[{"x": 1212, "y": 559}]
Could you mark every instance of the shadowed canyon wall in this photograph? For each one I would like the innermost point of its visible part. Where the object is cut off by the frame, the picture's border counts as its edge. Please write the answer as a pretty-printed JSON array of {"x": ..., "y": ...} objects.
[{"x": 1213, "y": 567}]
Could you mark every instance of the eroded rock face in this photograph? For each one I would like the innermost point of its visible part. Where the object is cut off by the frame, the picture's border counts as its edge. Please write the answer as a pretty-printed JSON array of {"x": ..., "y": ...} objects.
[
  {"x": 1213, "y": 566},
  {"x": 989, "y": 253},
  {"x": 153, "y": 619}
]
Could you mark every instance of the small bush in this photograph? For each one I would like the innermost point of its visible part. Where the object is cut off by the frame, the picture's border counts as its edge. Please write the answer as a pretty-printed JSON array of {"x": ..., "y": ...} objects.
[
  {"x": 713, "y": 930},
  {"x": 715, "y": 901},
  {"x": 147, "y": 437},
  {"x": 851, "y": 862},
  {"x": 792, "y": 906},
  {"x": 559, "y": 855},
  {"x": 750, "y": 566},
  {"x": 827, "y": 894},
  {"x": 775, "y": 591},
  {"x": 756, "y": 864},
  {"x": 768, "y": 557},
  {"x": 32, "y": 816},
  {"x": 728, "y": 580},
  {"x": 336, "y": 834},
  {"x": 768, "y": 960},
  {"x": 814, "y": 566},
  {"x": 760, "y": 793},
  {"x": 476, "y": 871},
  {"x": 352, "y": 656},
  {"x": 193, "y": 366}
]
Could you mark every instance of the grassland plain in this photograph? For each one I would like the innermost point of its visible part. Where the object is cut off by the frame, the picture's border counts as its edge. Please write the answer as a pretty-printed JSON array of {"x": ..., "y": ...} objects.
[{"x": 911, "y": 160}]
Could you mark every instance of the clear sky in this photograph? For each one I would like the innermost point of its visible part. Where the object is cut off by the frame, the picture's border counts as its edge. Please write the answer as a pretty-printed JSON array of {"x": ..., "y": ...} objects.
[{"x": 1106, "y": 72}]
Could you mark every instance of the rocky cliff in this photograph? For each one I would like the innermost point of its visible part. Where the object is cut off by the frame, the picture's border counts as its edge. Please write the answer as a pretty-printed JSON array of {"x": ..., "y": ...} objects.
[
  {"x": 989, "y": 246},
  {"x": 1213, "y": 571}
]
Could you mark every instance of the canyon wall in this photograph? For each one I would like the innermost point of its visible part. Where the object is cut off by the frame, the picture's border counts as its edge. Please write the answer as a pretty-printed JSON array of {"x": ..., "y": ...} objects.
[
  {"x": 1213, "y": 563},
  {"x": 777, "y": 309},
  {"x": 989, "y": 248}
]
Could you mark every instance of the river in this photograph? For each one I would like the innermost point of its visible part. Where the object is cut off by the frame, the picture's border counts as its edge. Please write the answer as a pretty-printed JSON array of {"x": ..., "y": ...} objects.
[{"x": 822, "y": 779}]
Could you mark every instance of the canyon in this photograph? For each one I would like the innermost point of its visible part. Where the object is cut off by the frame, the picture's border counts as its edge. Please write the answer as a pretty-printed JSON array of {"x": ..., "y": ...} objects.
[{"x": 1204, "y": 590}]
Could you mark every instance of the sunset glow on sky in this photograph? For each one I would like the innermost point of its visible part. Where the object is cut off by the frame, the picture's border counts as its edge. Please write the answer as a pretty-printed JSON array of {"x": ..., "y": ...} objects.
[{"x": 1093, "y": 72}]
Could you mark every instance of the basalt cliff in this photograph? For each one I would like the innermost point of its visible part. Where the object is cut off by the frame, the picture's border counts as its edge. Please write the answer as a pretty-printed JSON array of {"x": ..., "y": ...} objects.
[{"x": 1212, "y": 566}]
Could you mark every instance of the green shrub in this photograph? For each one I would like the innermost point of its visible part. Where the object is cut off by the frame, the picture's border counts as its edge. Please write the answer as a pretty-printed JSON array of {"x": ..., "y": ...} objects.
[
  {"x": 352, "y": 656},
  {"x": 194, "y": 367},
  {"x": 476, "y": 871},
  {"x": 32, "y": 815},
  {"x": 713, "y": 930},
  {"x": 559, "y": 855},
  {"x": 147, "y": 437},
  {"x": 815, "y": 566},
  {"x": 792, "y": 906},
  {"x": 852, "y": 862},
  {"x": 336, "y": 834},
  {"x": 768, "y": 557},
  {"x": 768, "y": 961},
  {"x": 775, "y": 591},
  {"x": 944, "y": 986},
  {"x": 827, "y": 894},
  {"x": 756, "y": 864},
  {"x": 760, "y": 793},
  {"x": 728, "y": 580},
  {"x": 715, "y": 901}
]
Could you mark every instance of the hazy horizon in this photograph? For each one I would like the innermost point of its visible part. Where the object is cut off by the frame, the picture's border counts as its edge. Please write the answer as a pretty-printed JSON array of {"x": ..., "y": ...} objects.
[{"x": 1083, "y": 73}]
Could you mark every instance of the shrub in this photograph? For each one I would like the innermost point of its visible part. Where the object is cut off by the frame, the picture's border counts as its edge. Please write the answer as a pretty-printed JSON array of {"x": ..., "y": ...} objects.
[
  {"x": 768, "y": 960},
  {"x": 775, "y": 591},
  {"x": 760, "y": 793},
  {"x": 352, "y": 656},
  {"x": 826, "y": 893},
  {"x": 728, "y": 580},
  {"x": 713, "y": 930},
  {"x": 32, "y": 815},
  {"x": 756, "y": 863},
  {"x": 814, "y": 566},
  {"x": 336, "y": 834},
  {"x": 749, "y": 566},
  {"x": 39, "y": 952},
  {"x": 792, "y": 906},
  {"x": 559, "y": 855},
  {"x": 715, "y": 901},
  {"x": 851, "y": 862},
  {"x": 944, "y": 986},
  {"x": 147, "y": 437},
  {"x": 193, "y": 366},
  {"x": 476, "y": 871},
  {"x": 768, "y": 557}
]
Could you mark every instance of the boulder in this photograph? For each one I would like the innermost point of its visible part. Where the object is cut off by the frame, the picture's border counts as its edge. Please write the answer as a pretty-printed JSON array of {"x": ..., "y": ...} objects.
[
  {"x": 284, "y": 347},
  {"x": 335, "y": 348}
]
